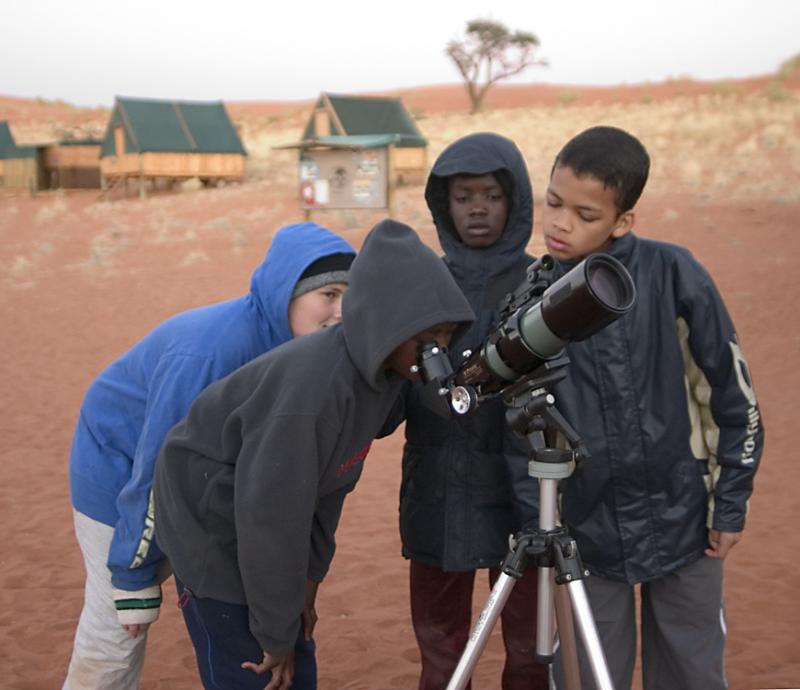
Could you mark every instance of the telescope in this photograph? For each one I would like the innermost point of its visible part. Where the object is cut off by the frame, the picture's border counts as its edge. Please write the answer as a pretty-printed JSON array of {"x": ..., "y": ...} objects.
[{"x": 538, "y": 320}]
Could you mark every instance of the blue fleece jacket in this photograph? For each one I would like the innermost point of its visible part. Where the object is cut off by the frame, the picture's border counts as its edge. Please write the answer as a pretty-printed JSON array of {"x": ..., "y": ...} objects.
[{"x": 133, "y": 403}]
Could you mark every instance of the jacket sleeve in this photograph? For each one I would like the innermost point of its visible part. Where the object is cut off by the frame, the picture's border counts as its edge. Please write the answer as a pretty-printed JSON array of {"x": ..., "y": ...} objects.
[
  {"x": 276, "y": 486},
  {"x": 134, "y": 557},
  {"x": 720, "y": 384}
]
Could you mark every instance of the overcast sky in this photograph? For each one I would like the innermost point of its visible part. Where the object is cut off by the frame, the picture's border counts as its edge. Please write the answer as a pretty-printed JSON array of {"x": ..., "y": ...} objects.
[{"x": 87, "y": 51}]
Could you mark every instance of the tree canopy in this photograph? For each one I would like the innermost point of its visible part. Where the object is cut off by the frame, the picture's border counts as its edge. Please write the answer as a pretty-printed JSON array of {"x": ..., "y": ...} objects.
[{"x": 490, "y": 52}]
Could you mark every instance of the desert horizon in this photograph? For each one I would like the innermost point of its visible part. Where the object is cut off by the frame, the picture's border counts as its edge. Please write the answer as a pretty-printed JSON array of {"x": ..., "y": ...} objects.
[{"x": 27, "y": 115}]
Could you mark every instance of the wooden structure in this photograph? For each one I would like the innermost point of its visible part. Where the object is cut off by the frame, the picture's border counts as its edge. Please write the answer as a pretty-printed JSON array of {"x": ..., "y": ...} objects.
[
  {"x": 346, "y": 172},
  {"x": 73, "y": 164},
  {"x": 21, "y": 167},
  {"x": 149, "y": 139},
  {"x": 337, "y": 118},
  {"x": 6, "y": 146}
]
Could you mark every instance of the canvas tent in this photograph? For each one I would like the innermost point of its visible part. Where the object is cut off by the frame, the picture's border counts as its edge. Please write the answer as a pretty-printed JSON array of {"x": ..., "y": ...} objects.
[
  {"x": 7, "y": 145},
  {"x": 6, "y": 140},
  {"x": 20, "y": 166},
  {"x": 149, "y": 139},
  {"x": 344, "y": 121}
]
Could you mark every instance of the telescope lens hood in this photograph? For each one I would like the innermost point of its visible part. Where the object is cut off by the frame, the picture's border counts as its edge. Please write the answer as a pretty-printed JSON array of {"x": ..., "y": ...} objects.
[{"x": 593, "y": 294}]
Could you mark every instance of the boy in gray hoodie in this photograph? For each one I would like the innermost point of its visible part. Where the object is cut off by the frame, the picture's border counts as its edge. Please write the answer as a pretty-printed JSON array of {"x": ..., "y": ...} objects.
[{"x": 250, "y": 485}]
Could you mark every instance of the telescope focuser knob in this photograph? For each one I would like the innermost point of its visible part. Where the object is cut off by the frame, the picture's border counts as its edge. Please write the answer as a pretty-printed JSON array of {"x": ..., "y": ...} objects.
[{"x": 462, "y": 399}]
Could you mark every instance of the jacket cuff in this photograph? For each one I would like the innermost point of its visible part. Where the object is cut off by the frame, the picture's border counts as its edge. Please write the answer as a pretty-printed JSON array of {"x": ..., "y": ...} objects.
[{"x": 139, "y": 607}]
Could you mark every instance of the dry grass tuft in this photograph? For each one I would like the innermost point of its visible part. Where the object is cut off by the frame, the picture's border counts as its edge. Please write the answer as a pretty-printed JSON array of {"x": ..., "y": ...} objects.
[
  {"x": 52, "y": 211},
  {"x": 195, "y": 257}
]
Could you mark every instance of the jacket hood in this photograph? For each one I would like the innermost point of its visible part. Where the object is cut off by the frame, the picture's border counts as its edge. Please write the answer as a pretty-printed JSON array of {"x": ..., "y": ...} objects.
[
  {"x": 398, "y": 288},
  {"x": 293, "y": 249},
  {"x": 480, "y": 154}
]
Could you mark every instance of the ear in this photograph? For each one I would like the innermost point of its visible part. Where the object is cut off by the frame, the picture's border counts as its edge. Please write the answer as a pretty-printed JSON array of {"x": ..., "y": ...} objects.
[{"x": 624, "y": 224}]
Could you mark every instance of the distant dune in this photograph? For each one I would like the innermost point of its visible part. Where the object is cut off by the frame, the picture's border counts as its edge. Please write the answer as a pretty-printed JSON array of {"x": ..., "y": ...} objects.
[{"x": 39, "y": 120}]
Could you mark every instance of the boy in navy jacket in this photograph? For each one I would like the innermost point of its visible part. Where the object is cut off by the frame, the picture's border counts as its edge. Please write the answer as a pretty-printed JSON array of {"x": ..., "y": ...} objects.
[
  {"x": 465, "y": 485},
  {"x": 665, "y": 405}
]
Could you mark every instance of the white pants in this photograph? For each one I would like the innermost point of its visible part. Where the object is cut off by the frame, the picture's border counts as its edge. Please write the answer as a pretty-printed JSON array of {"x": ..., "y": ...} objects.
[{"x": 103, "y": 657}]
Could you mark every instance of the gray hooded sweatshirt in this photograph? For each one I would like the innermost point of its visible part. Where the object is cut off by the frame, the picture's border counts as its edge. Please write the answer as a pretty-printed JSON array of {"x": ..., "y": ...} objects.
[{"x": 250, "y": 485}]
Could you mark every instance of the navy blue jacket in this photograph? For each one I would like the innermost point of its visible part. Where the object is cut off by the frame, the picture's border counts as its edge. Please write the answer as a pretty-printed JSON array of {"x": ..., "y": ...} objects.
[
  {"x": 664, "y": 402},
  {"x": 460, "y": 476}
]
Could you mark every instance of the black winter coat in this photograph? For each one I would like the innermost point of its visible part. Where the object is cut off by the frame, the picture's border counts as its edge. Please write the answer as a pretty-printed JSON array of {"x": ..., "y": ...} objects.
[
  {"x": 465, "y": 486},
  {"x": 664, "y": 402}
]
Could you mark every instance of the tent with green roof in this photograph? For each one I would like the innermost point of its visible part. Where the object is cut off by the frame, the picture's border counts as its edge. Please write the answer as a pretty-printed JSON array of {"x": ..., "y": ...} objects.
[
  {"x": 342, "y": 121},
  {"x": 7, "y": 144},
  {"x": 148, "y": 138},
  {"x": 363, "y": 115},
  {"x": 20, "y": 166}
]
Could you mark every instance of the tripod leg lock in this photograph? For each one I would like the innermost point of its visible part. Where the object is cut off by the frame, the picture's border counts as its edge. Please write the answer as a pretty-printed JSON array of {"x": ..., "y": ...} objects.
[
  {"x": 521, "y": 547},
  {"x": 569, "y": 566}
]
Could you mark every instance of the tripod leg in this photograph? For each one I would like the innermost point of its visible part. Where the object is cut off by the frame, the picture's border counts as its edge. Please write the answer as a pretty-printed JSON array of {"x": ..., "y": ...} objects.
[
  {"x": 545, "y": 628},
  {"x": 544, "y": 616},
  {"x": 566, "y": 639},
  {"x": 481, "y": 631},
  {"x": 591, "y": 640}
]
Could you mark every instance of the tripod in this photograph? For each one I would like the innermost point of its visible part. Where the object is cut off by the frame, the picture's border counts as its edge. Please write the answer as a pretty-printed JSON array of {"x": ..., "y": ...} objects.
[{"x": 531, "y": 411}]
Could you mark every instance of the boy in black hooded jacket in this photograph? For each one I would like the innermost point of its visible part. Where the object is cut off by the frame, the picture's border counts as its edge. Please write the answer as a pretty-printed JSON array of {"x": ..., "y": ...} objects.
[
  {"x": 250, "y": 485},
  {"x": 465, "y": 486}
]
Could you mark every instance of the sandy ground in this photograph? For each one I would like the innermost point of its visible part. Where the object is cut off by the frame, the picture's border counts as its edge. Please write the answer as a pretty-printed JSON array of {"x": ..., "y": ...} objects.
[{"x": 81, "y": 280}]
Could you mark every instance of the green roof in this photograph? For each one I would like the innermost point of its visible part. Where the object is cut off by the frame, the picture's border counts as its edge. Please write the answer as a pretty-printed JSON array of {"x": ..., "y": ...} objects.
[
  {"x": 172, "y": 127},
  {"x": 368, "y": 115},
  {"x": 358, "y": 141},
  {"x": 9, "y": 148},
  {"x": 7, "y": 144}
]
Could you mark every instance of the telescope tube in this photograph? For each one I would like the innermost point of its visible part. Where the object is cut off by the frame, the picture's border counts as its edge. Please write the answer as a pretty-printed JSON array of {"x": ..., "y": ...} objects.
[{"x": 589, "y": 297}]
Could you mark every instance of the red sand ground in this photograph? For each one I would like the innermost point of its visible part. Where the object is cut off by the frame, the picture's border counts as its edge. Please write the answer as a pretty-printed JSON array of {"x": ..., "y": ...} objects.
[{"x": 81, "y": 281}]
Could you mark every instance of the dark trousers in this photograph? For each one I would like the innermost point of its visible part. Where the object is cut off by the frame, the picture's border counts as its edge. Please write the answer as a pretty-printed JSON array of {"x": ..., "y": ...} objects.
[
  {"x": 441, "y": 612},
  {"x": 222, "y": 641},
  {"x": 682, "y": 626}
]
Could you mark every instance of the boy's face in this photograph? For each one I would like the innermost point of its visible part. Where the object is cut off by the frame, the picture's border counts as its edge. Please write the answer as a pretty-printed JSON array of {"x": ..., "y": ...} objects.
[
  {"x": 316, "y": 309},
  {"x": 478, "y": 207},
  {"x": 405, "y": 356},
  {"x": 580, "y": 215}
]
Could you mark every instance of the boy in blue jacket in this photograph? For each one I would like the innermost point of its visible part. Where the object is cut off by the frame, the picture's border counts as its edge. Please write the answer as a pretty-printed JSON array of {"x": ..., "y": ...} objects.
[
  {"x": 126, "y": 414},
  {"x": 465, "y": 485},
  {"x": 664, "y": 402},
  {"x": 250, "y": 485}
]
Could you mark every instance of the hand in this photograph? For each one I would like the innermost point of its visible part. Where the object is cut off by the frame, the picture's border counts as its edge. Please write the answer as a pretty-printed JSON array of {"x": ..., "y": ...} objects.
[
  {"x": 720, "y": 543},
  {"x": 136, "y": 629},
  {"x": 137, "y": 610},
  {"x": 309, "y": 611},
  {"x": 282, "y": 668}
]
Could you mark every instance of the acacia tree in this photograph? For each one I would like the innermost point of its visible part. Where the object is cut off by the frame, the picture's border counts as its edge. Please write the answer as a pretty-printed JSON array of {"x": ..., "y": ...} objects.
[{"x": 490, "y": 52}]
